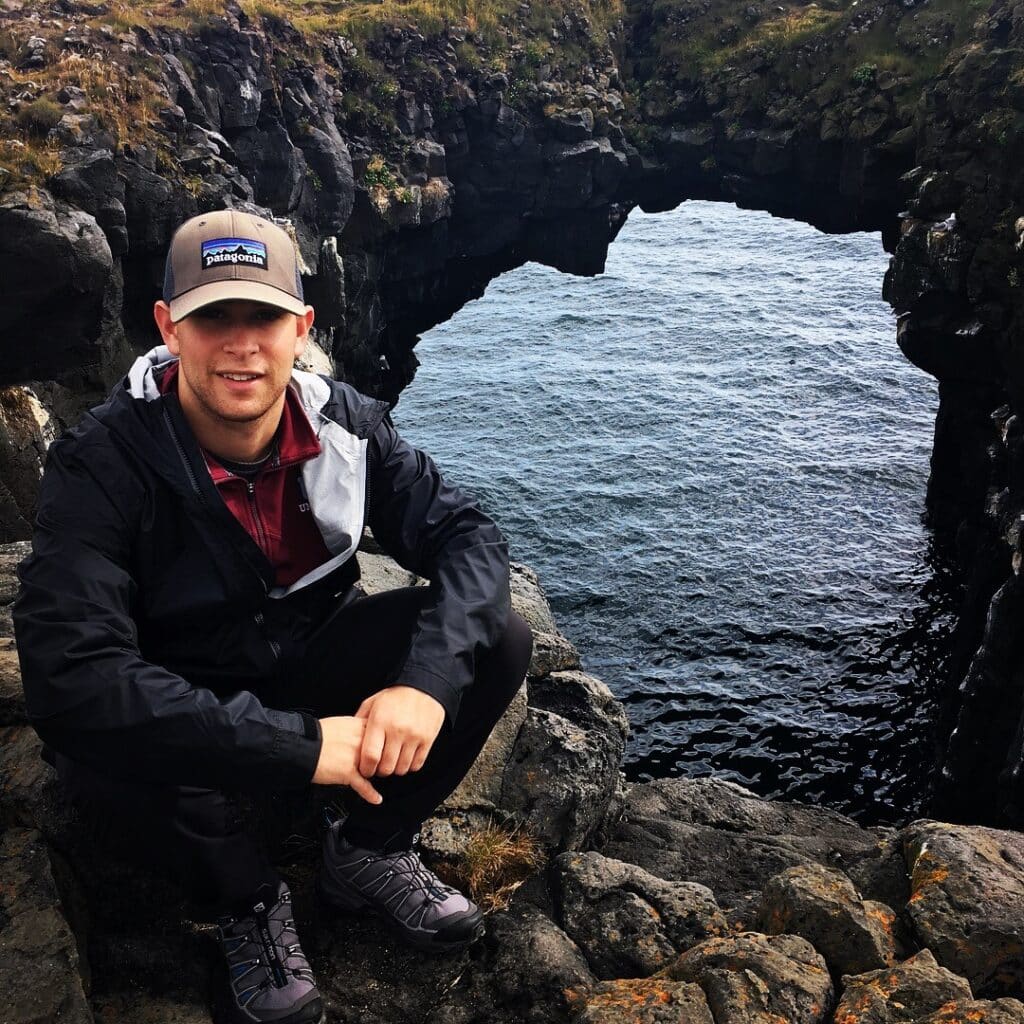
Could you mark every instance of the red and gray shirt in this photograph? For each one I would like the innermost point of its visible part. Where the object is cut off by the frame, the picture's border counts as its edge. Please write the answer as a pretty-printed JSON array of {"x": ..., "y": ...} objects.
[{"x": 272, "y": 504}]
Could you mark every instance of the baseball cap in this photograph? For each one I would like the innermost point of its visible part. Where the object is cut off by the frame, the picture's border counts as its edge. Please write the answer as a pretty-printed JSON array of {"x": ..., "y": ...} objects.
[{"x": 228, "y": 254}]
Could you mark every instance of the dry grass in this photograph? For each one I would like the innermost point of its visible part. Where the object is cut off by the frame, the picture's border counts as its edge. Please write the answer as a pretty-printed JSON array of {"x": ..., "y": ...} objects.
[
  {"x": 27, "y": 160},
  {"x": 497, "y": 860}
]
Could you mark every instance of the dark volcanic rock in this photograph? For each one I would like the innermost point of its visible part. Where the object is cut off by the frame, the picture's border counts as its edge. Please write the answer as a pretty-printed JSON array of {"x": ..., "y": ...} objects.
[
  {"x": 757, "y": 979},
  {"x": 57, "y": 260},
  {"x": 967, "y": 902},
  {"x": 647, "y": 1001},
  {"x": 525, "y": 965},
  {"x": 821, "y": 905},
  {"x": 724, "y": 837},
  {"x": 912, "y": 989},
  {"x": 981, "y": 1011},
  {"x": 628, "y": 922},
  {"x": 561, "y": 778},
  {"x": 40, "y": 971}
]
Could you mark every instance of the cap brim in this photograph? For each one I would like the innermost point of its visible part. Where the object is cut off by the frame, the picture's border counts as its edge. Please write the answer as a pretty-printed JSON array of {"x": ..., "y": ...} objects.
[{"x": 220, "y": 291}]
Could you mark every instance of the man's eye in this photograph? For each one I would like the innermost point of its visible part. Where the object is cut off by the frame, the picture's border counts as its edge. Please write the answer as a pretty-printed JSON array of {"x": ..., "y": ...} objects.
[{"x": 268, "y": 316}]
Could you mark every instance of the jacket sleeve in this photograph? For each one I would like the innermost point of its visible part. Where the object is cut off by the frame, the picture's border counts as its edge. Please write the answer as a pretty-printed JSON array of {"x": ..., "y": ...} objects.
[
  {"x": 435, "y": 530},
  {"x": 88, "y": 691}
]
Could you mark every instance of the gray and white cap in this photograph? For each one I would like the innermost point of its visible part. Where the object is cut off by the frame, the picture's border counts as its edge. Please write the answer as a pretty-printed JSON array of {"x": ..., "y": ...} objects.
[{"x": 228, "y": 254}]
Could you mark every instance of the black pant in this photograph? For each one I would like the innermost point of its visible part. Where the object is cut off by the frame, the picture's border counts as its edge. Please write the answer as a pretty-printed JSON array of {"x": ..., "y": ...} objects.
[{"x": 198, "y": 834}]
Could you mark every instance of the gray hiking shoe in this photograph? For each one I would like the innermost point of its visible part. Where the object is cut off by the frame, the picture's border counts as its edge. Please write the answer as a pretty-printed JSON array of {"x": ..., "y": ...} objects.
[
  {"x": 268, "y": 976},
  {"x": 400, "y": 888}
]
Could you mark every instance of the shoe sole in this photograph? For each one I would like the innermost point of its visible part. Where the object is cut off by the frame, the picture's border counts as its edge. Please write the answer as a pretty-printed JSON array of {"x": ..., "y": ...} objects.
[{"x": 353, "y": 904}]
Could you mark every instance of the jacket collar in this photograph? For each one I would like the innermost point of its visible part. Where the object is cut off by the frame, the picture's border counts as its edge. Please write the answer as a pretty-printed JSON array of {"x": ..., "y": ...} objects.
[{"x": 155, "y": 374}]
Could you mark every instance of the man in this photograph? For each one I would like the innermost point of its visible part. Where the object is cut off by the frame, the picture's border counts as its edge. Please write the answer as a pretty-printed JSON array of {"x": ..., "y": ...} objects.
[{"x": 188, "y": 624}]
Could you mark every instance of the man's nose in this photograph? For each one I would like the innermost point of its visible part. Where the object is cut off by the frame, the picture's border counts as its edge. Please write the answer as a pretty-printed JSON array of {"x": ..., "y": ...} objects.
[{"x": 239, "y": 337}]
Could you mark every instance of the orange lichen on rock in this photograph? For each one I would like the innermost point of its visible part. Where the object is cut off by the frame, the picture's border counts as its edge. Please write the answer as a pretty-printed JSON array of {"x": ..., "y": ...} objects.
[{"x": 926, "y": 872}]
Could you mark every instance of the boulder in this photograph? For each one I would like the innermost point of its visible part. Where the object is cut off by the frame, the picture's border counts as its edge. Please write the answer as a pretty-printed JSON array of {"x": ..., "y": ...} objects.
[
  {"x": 723, "y": 836},
  {"x": 758, "y": 979},
  {"x": 525, "y": 966},
  {"x": 641, "y": 1001},
  {"x": 821, "y": 905},
  {"x": 40, "y": 968},
  {"x": 56, "y": 264},
  {"x": 967, "y": 901},
  {"x": 628, "y": 922},
  {"x": 909, "y": 990},
  {"x": 561, "y": 778},
  {"x": 977, "y": 1011}
]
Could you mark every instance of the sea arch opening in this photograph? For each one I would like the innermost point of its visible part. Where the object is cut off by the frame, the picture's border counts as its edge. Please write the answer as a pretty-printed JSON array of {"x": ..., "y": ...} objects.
[{"x": 716, "y": 457}]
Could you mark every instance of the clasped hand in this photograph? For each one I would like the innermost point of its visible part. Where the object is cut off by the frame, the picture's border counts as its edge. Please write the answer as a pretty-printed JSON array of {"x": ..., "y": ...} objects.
[{"x": 391, "y": 733}]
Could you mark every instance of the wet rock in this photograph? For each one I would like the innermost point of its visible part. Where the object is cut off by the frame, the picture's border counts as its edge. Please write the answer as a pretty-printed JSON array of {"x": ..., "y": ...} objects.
[
  {"x": 821, "y": 905},
  {"x": 967, "y": 901},
  {"x": 909, "y": 990},
  {"x": 758, "y": 979},
  {"x": 723, "y": 836},
  {"x": 525, "y": 965},
  {"x": 628, "y": 922},
  {"x": 646, "y": 1001},
  {"x": 40, "y": 971}
]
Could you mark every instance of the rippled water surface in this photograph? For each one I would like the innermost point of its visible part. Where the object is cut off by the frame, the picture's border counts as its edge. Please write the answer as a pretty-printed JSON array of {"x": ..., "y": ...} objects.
[{"x": 715, "y": 456}]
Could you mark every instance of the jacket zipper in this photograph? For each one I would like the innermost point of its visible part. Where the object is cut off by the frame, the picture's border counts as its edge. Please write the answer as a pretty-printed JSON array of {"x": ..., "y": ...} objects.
[
  {"x": 275, "y": 648},
  {"x": 250, "y": 486},
  {"x": 193, "y": 482}
]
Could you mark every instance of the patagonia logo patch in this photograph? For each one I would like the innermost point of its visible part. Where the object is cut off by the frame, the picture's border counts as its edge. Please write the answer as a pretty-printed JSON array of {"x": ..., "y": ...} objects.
[{"x": 218, "y": 251}]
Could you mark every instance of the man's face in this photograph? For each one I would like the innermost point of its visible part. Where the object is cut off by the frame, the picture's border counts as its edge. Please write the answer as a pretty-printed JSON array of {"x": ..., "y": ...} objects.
[{"x": 235, "y": 358}]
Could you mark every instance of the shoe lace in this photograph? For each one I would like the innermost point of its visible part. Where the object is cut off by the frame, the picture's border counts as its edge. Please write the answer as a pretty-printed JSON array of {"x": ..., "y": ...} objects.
[
  {"x": 421, "y": 877},
  {"x": 265, "y": 932}
]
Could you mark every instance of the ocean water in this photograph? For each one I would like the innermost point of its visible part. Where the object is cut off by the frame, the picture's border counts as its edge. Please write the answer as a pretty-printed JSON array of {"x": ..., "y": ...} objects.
[{"x": 715, "y": 456}]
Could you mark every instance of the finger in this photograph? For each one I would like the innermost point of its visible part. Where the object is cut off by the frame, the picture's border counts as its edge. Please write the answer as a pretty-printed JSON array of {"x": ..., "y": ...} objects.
[
  {"x": 364, "y": 788},
  {"x": 406, "y": 759},
  {"x": 420, "y": 758},
  {"x": 363, "y": 711},
  {"x": 389, "y": 758},
  {"x": 371, "y": 750}
]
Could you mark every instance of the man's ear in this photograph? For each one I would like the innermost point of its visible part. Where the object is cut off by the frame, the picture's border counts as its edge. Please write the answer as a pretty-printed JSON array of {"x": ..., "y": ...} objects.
[
  {"x": 168, "y": 329},
  {"x": 303, "y": 322}
]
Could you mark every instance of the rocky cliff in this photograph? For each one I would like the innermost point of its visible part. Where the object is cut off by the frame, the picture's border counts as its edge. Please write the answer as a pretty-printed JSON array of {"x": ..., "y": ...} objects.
[
  {"x": 421, "y": 149},
  {"x": 674, "y": 900}
]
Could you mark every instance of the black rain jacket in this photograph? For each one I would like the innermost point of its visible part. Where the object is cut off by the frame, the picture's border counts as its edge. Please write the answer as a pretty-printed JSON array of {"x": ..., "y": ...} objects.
[{"x": 147, "y": 615}]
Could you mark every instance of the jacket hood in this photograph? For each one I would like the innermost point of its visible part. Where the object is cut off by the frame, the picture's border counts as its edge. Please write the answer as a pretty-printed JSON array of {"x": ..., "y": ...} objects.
[{"x": 141, "y": 378}]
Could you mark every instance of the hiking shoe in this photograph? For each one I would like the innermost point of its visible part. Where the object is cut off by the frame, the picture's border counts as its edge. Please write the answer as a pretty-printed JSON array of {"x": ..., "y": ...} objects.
[
  {"x": 268, "y": 976},
  {"x": 400, "y": 888}
]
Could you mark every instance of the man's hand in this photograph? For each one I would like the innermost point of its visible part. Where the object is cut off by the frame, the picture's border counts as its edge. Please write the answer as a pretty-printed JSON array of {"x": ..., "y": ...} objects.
[
  {"x": 401, "y": 726},
  {"x": 339, "y": 756}
]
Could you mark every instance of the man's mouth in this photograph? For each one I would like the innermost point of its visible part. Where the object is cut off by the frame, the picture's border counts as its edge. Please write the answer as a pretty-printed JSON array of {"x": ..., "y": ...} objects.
[{"x": 239, "y": 376}]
